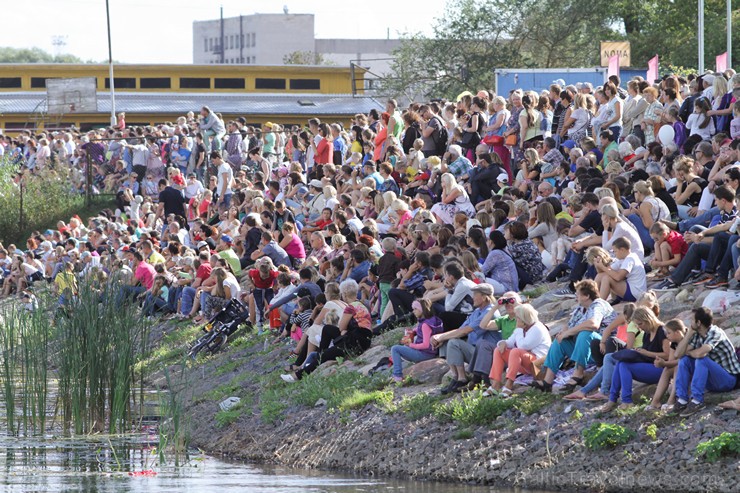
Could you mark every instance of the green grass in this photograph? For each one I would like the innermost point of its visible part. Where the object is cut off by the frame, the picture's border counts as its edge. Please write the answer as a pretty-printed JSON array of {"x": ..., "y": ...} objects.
[
  {"x": 606, "y": 435},
  {"x": 463, "y": 434},
  {"x": 725, "y": 445},
  {"x": 418, "y": 405},
  {"x": 474, "y": 410},
  {"x": 360, "y": 398},
  {"x": 652, "y": 431},
  {"x": 225, "y": 418},
  {"x": 229, "y": 367}
]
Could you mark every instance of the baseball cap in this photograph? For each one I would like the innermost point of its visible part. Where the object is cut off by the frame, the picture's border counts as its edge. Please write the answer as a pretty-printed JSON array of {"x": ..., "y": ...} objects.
[
  {"x": 201, "y": 244},
  {"x": 503, "y": 177},
  {"x": 227, "y": 239},
  {"x": 316, "y": 184}
]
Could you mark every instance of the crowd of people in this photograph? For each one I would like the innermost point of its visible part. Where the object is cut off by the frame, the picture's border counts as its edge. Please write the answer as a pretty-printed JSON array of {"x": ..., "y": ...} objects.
[{"x": 434, "y": 216}]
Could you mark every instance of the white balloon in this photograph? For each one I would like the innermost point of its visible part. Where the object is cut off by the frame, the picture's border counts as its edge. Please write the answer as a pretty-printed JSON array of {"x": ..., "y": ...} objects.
[{"x": 666, "y": 134}]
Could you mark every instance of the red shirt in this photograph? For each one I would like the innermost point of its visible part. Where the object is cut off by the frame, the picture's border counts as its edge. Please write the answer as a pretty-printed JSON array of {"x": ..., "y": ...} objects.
[
  {"x": 323, "y": 152},
  {"x": 322, "y": 224},
  {"x": 145, "y": 274},
  {"x": 678, "y": 244},
  {"x": 204, "y": 271},
  {"x": 259, "y": 283}
]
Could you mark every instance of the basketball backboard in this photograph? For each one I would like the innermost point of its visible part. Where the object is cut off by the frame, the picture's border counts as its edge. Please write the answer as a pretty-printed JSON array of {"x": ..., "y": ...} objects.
[{"x": 72, "y": 95}]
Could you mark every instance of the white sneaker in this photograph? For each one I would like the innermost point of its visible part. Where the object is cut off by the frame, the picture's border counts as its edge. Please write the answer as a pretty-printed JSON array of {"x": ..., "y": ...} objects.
[{"x": 288, "y": 378}]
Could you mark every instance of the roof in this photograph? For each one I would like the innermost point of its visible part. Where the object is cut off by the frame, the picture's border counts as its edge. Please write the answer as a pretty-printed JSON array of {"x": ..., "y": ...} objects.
[{"x": 177, "y": 102}]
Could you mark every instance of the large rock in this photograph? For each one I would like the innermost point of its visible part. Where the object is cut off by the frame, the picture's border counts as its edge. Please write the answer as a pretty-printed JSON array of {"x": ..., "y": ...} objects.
[{"x": 428, "y": 372}]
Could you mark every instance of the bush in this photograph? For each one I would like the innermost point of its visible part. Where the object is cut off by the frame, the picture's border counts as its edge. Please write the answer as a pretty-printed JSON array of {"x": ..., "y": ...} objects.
[
  {"x": 473, "y": 410},
  {"x": 47, "y": 197},
  {"x": 725, "y": 445},
  {"x": 603, "y": 435}
]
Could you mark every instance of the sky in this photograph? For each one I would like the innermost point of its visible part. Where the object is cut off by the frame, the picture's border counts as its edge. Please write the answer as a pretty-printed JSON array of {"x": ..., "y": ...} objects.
[{"x": 161, "y": 31}]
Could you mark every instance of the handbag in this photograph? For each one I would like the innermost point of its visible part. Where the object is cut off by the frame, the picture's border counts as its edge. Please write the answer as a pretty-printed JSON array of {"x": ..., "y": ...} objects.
[
  {"x": 493, "y": 140},
  {"x": 470, "y": 140},
  {"x": 630, "y": 356},
  {"x": 510, "y": 140}
]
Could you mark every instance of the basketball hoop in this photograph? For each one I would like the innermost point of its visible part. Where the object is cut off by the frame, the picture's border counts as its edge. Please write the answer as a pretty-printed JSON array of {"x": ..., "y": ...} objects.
[{"x": 77, "y": 95}]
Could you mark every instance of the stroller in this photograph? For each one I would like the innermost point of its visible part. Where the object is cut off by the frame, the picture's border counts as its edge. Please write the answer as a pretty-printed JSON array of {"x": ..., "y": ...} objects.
[{"x": 219, "y": 328}]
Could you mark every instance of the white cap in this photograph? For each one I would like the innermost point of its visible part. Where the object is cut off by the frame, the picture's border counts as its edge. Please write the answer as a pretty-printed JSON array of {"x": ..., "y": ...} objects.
[{"x": 503, "y": 177}]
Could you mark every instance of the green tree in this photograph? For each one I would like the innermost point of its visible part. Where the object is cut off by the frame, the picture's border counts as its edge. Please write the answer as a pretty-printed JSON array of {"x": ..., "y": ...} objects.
[
  {"x": 34, "y": 55},
  {"x": 306, "y": 58}
]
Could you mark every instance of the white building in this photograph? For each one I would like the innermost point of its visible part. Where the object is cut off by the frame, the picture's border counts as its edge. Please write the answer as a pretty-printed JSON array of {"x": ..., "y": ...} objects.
[{"x": 265, "y": 39}]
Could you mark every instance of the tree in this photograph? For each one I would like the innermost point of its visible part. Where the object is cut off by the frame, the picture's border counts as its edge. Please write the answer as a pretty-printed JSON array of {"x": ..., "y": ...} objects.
[
  {"x": 34, "y": 55},
  {"x": 306, "y": 58},
  {"x": 474, "y": 38}
]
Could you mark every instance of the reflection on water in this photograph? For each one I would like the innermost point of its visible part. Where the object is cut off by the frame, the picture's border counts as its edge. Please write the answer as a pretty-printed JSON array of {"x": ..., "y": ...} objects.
[{"x": 100, "y": 464}]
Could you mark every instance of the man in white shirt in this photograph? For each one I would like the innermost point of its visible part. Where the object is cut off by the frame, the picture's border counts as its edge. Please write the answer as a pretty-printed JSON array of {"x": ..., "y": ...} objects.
[
  {"x": 625, "y": 277},
  {"x": 225, "y": 179},
  {"x": 193, "y": 186}
]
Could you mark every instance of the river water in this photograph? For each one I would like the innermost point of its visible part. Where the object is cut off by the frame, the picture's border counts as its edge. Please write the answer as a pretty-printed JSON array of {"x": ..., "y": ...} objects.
[{"x": 131, "y": 464}]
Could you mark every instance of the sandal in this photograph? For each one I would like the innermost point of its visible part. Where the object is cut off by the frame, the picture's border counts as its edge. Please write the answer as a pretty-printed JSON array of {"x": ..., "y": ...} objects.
[
  {"x": 575, "y": 396},
  {"x": 597, "y": 397},
  {"x": 542, "y": 386},
  {"x": 571, "y": 385}
]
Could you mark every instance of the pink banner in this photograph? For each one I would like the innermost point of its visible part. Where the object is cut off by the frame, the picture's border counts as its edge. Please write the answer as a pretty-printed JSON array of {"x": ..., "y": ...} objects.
[
  {"x": 652, "y": 71},
  {"x": 722, "y": 62},
  {"x": 613, "y": 66}
]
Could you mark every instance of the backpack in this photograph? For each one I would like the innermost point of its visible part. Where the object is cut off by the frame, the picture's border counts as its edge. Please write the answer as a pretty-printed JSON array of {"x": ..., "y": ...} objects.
[{"x": 440, "y": 141}]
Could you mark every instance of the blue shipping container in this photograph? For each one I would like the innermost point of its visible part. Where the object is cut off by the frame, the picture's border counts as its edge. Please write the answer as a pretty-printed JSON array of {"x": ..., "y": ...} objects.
[{"x": 508, "y": 79}]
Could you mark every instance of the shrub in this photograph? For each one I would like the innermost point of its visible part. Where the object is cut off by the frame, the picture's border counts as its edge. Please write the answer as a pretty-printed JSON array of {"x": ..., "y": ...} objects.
[
  {"x": 652, "y": 431},
  {"x": 725, "y": 445},
  {"x": 361, "y": 398},
  {"x": 604, "y": 435},
  {"x": 225, "y": 418},
  {"x": 473, "y": 409},
  {"x": 418, "y": 405},
  {"x": 47, "y": 197}
]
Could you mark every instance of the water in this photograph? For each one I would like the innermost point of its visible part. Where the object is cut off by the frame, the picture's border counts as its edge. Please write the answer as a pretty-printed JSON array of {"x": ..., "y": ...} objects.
[{"x": 130, "y": 464}]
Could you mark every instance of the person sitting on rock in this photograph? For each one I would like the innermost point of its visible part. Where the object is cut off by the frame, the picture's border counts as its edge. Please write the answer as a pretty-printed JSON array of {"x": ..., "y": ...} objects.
[
  {"x": 590, "y": 317},
  {"x": 706, "y": 362},
  {"x": 625, "y": 277},
  {"x": 638, "y": 364},
  {"x": 505, "y": 324},
  {"x": 417, "y": 345},
  {"x": 457, "y": 346},
  {"x": 530, "y": 341},
  {"x": 675, "y": 331}
]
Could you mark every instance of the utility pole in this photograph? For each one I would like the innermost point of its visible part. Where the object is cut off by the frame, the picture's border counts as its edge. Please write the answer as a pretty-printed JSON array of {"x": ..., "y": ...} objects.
[
  {"x": 729, "y": 33},
  {"x": 700, "y": 28},
  {"x": 110, "y": 70},
  {"x": 222, "y": 35}
]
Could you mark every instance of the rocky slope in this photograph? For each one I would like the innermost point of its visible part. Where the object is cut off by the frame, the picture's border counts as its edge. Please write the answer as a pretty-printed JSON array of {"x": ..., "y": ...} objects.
[{"x": 400, "y": 431}]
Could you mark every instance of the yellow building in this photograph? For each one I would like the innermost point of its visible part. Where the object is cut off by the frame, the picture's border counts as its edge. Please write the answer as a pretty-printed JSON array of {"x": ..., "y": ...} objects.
[{"x": 151, "y": 94}]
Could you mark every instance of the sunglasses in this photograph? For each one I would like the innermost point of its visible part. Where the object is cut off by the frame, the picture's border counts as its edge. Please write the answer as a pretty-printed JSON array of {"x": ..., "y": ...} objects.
[{"x": 506, "y": 301}]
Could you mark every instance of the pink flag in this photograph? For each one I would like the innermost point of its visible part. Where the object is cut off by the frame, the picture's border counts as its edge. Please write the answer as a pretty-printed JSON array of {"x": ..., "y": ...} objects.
[
  {"x": 722, "y": 62},
  {"x": 652, "y": 71},
  {"x": 613, "y": 66}
]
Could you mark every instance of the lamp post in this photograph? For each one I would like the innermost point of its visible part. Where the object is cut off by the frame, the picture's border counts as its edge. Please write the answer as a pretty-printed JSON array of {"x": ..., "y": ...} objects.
[
  {"x": 110, "y": 70},
  {"x": 700, "y": 28},
  {"x": 729, "y": 33}
]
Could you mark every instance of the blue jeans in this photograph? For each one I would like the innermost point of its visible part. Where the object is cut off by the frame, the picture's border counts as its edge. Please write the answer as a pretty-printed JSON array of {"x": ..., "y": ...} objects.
[
  {"x": 262, "y": 296},
  {"x": 701, "y": 220},
  {"x": 647, "y": 241},
  {"x": 692, "y": 260},
  {"x": 701, "y": 375},
  {"x": 153, "y": 304},
  {"x": 186, "y": 300},
  {"x": 603, "y": 377},
  {"x": 578, "y": 349},
  {"x": 728, "y": 263},
  {"x": 624, "y": 373},
  {"x": 400, "y": 353},
  {"x": 128, "y": 293}
]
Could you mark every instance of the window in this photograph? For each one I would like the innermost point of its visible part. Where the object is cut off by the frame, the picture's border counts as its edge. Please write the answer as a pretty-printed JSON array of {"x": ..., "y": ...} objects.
[
  {"x": 195, "y": 83},
  {"x": 121, "y": 82},
  {"x": 210, "y": 44},
  {"x": 228, "y": 83},
  {"x": 155, "y": 83},
  {"x": 9, "y": 82},
  {"x": 269, "y": 84},
  {"x": 231, "y": 42},
  {"x": 305, "y": 84},
  {"x": 38, "y": 82},
  {"x": 205, "y": 43},
  {"x": 254, "y": 41},
  {"x": 241, "y": 41}
]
